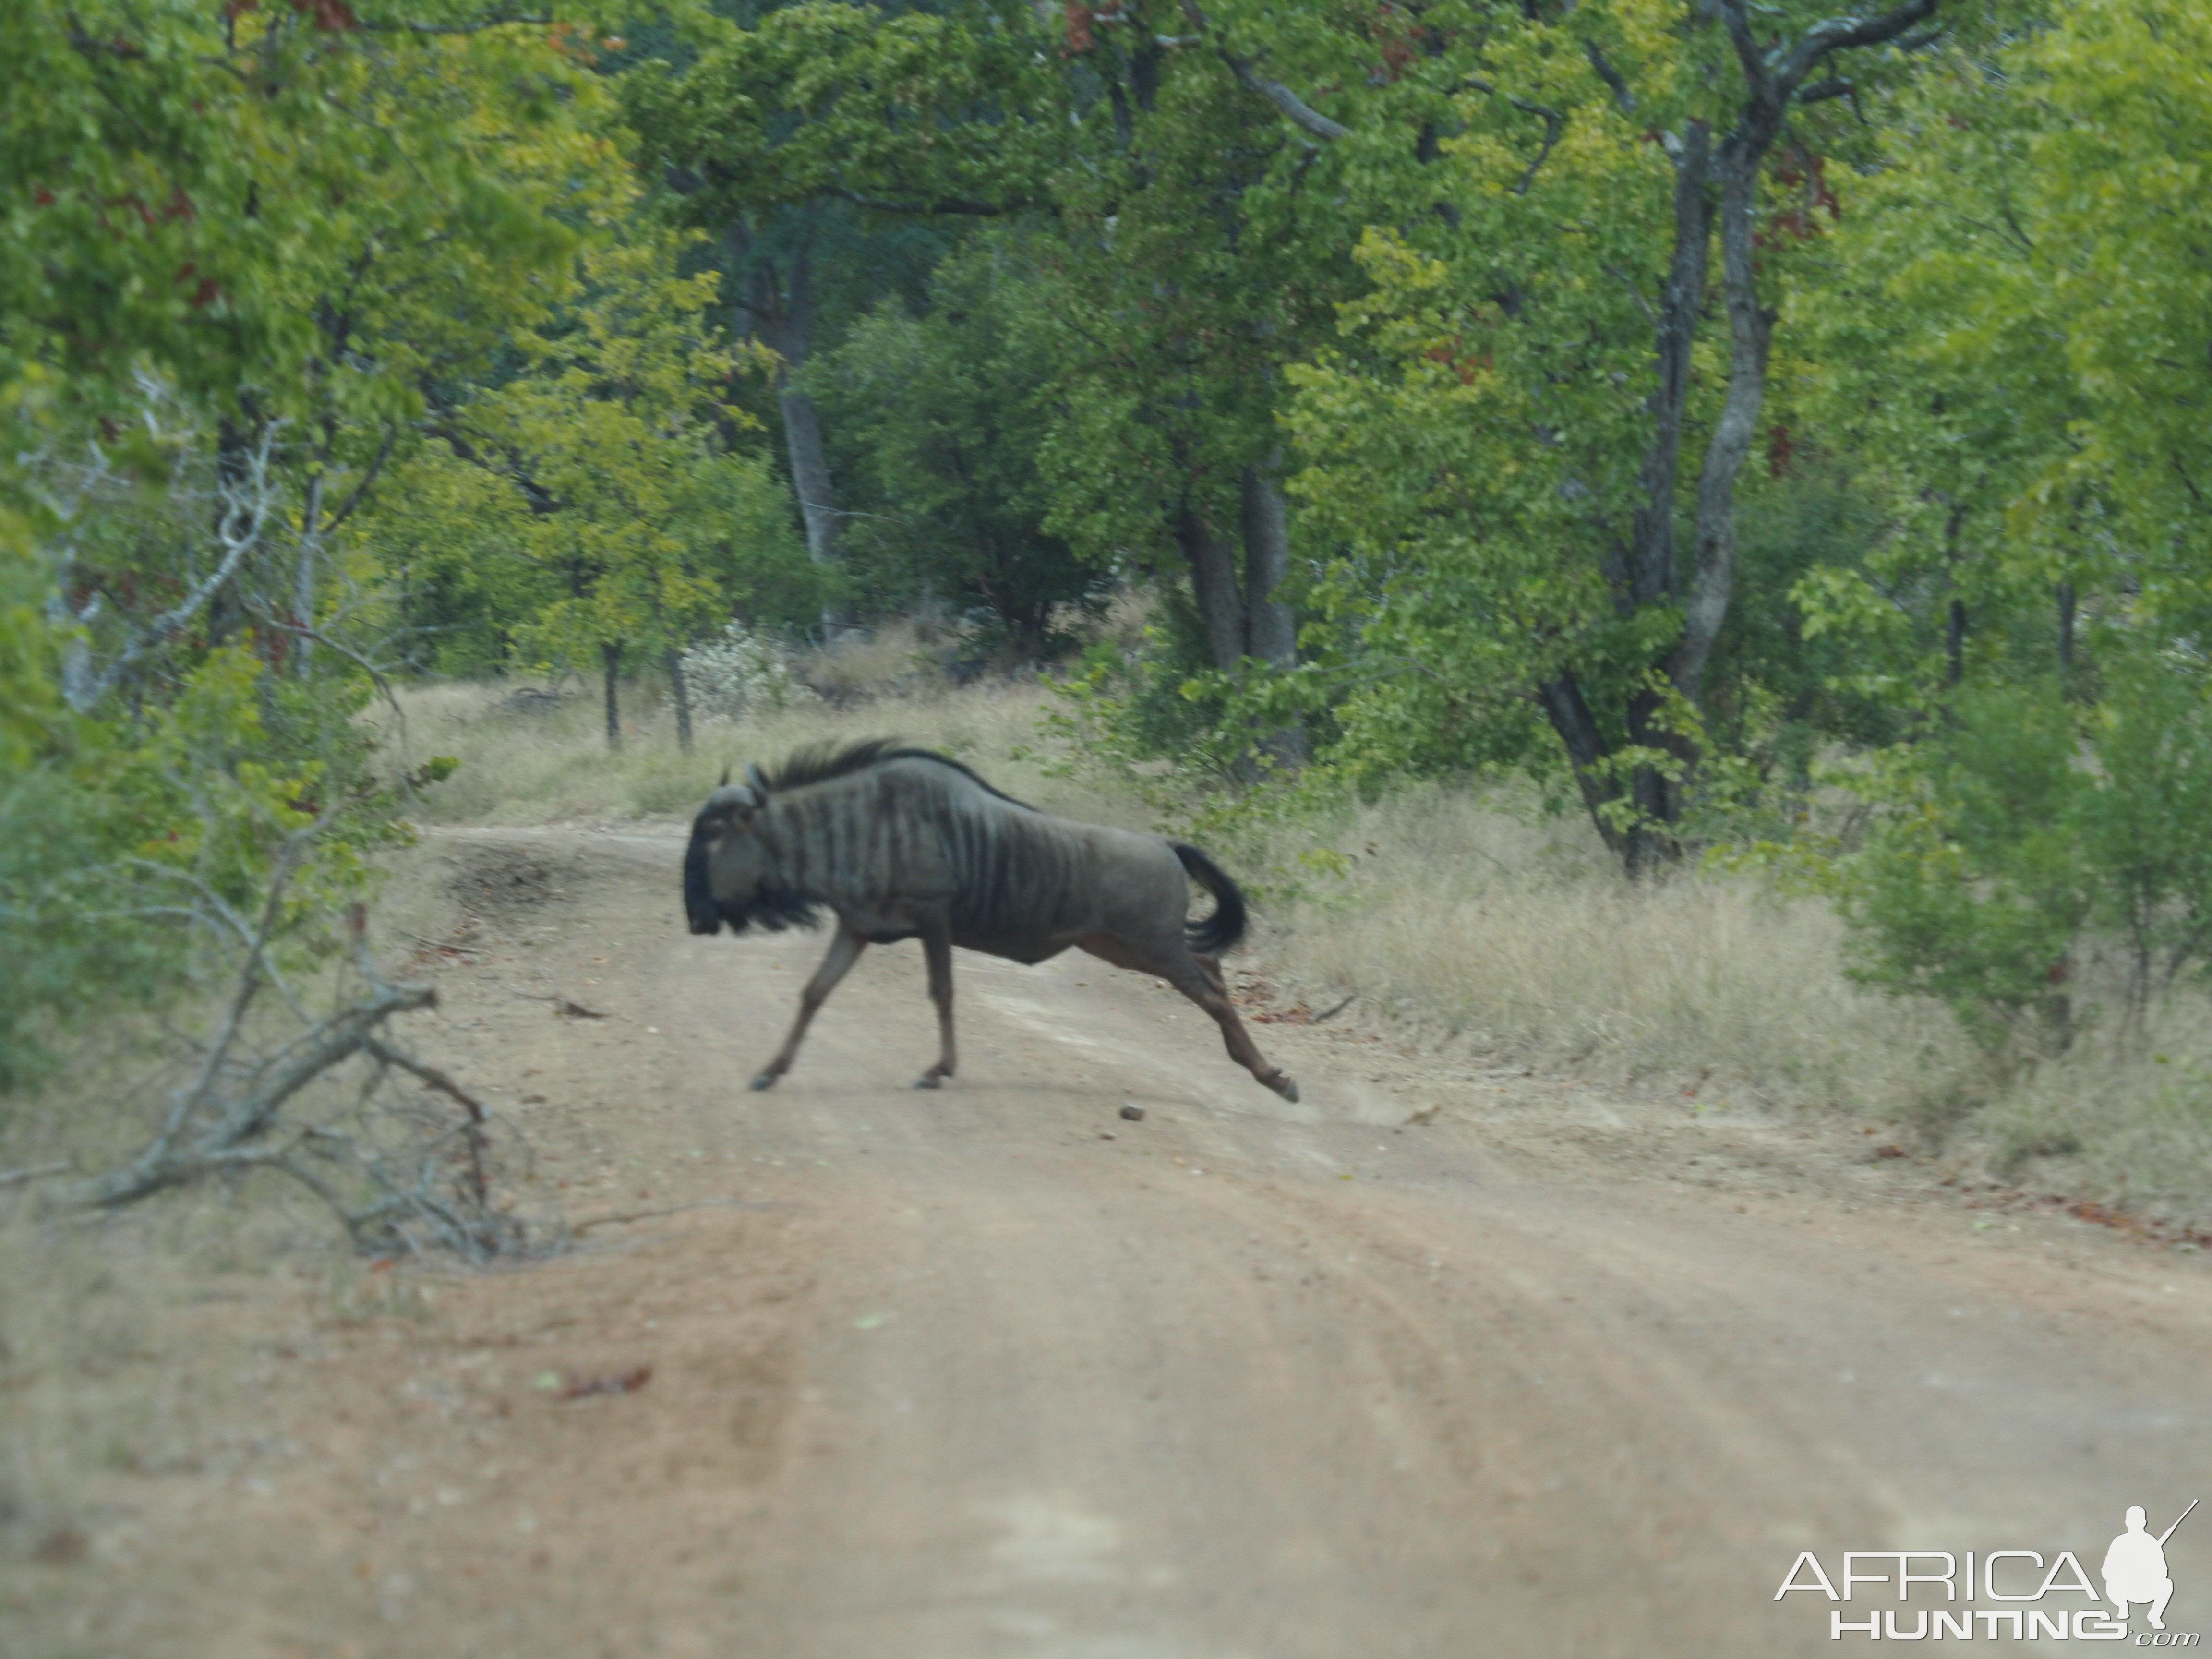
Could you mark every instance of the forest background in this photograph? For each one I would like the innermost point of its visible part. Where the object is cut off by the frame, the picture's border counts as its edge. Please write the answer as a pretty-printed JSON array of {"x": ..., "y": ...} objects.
[{"x": 1775, "y": 439}]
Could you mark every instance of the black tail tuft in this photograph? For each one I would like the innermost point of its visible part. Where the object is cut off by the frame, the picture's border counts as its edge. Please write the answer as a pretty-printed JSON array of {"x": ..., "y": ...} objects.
[{"x": 1221, "y": 930}]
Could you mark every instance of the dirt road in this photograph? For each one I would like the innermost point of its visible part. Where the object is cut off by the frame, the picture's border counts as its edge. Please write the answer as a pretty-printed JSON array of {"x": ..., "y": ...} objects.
[{"x": 996, "y": 1372}]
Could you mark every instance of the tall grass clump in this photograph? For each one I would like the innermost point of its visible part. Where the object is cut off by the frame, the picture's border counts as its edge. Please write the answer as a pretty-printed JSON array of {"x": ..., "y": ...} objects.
[
  {"x": 533, "y": 755},
  {"x": 1502, "y": 933}
]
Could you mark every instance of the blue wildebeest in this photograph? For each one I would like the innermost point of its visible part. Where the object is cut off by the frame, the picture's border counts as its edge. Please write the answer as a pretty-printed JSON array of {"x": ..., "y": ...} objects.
[{"x": 902, "y": 844}]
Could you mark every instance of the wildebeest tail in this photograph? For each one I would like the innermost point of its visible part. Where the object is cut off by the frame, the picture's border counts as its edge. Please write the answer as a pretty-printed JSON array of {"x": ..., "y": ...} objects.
[{"x": 1226, "y": 925}]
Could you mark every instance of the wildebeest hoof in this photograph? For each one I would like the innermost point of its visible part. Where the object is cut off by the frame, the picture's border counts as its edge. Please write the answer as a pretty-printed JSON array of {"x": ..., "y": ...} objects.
[
  {"x": 765, "y": 1080},
  {"x": 1285, "y": 1087},
  {"x": 929, "y": 1080}
]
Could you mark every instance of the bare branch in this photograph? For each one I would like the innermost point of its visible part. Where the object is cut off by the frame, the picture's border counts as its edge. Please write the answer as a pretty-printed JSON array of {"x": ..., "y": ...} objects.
[
  {"x": 403, "y": 26},
  {"x": 17, "y": 1178},
  {"x": 246, "y": 505},
  {"x": 367, "y": 479},
  {"x": 1837, "y": 34},
  {"x": 438, "y": 1079},
  {"x": 1555, "y": 124},
  {"x": 430, "y": 1074},
  {"x": 1623, "y": 98},
  {"x": 1757, "y": 73},
  {"x": 954, "y": 205},
  {"x": 1301, "y": 113}
]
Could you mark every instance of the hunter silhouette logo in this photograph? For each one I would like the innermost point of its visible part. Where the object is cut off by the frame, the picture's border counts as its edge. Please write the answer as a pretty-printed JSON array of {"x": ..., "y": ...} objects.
[
  {"x": 2135, "y": 1566},
  {"x": 2133, "y": 1572}
]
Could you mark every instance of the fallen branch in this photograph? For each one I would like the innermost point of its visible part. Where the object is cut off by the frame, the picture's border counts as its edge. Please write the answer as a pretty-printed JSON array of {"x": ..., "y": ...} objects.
[
  {"x": 16, "y": 1178},
  {"x": 590, "y": 1222},
  {"x": 396, "y": 1174},
  {"x": 445, "y": 944},
  {"x": 438, "y": 1079},
  {"x": 166, "y": 1162}
]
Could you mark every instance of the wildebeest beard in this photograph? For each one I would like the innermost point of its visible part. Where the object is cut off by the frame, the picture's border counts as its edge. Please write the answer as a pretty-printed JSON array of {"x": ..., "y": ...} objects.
[{"x": 774, "y": 905}]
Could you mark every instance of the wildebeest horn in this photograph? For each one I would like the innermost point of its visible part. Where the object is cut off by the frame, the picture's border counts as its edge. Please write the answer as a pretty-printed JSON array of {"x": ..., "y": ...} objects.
[
  {"x": 725, "y": 783},
  {"x": 753, "y": 777}
]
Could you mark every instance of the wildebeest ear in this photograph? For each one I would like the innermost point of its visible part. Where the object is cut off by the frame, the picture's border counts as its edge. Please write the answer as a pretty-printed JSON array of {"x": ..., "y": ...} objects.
[
  {"x": 759, "y": 783},
  {"x": 732, "y": 798}
]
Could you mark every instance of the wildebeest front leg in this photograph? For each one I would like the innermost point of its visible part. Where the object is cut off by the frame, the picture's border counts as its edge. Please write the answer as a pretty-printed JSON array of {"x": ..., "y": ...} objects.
[
  {"x": 844, "y": 950},
  {"x": 937, "y": 948}
]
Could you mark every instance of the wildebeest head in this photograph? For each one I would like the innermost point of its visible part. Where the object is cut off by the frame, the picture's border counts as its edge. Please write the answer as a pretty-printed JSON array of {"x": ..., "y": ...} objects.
[{"x": 730, "y": 875}]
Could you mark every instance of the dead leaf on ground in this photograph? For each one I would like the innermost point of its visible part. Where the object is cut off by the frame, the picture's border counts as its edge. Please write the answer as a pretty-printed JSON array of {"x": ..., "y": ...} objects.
[
  {"x": 628, "y": 1382},
  {"x": 565, "y": 1009},
  {"x": 63, "y": 1545}
]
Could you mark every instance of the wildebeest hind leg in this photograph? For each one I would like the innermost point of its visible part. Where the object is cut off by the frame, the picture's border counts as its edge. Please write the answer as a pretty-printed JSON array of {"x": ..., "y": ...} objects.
[
  {"x": 1199, "y": 979},
  {"x": 936, "y": 950},
  {"x": 844, "y": 950}
]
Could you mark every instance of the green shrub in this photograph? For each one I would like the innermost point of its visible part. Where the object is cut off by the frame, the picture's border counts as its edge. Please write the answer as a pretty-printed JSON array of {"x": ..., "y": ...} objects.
[{"x": 2028, "y": 827}]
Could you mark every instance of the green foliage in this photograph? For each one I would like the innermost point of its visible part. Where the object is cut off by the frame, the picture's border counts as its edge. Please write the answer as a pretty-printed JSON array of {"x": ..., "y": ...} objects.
[
  {"x": 2003, "y": 342},
  {"x": 133, "y": 859},
  {"x": 825, "y": 99},
  {"x": 2144, "y": 818},
  {"x": 2023, "y": 832},
  {"x": 601, "y": 504},
  {"x": 945, "y": 413},
  {"x": 1128, "y": 710},
  {"x": 249, "y": 252},
  {"x": 1974, "y": 889}
]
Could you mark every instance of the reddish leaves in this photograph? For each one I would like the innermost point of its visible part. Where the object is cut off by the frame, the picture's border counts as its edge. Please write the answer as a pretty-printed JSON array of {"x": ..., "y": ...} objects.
[
  {"x": 332, "y": 16},
  {"x": 1807, "y": 174},
  {"x": 1780, "y": 451}
]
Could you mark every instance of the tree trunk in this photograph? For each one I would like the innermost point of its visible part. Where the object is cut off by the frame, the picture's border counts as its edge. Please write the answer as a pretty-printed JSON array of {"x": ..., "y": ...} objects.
[
  {"x": 782, "y": 314},
  {"x": 233, "y": 443},
  {"x": 1650, "y": 574},
  {"x": 610, "y": 659},
  {"x": 1646, "y": 574},
  {"x": 1954, "y": 614},
  {"x": 303, "y": 579},
  {"x": 682, "y": 692},
  {"x": 1750, "y": 329},
  {"x": 1270, "y": 629},
  {"x": 1213, "y": 583},
  {"x": 2065, "y": 597},
  {"x": 1568, "y": 712}
]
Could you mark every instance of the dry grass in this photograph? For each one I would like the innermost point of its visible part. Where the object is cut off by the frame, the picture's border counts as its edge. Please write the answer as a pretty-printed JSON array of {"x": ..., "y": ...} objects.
[
  {"x": 92, "y": 1383},
  {"x": 544, "y": 760},
  {"x": 1475, "y": 925},
  {"x": 2129, "y": 1127},
  {"x": 1494, "y": 930}
]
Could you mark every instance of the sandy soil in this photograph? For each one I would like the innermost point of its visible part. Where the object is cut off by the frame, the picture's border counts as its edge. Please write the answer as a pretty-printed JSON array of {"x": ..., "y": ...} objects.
[{"x": 995, "y": 1371}]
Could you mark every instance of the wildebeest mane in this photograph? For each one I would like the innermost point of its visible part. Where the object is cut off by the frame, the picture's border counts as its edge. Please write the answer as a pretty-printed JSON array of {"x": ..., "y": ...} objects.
[
  {"x": 818, "y": 762},
  {"x": 774, "y": 908}
]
